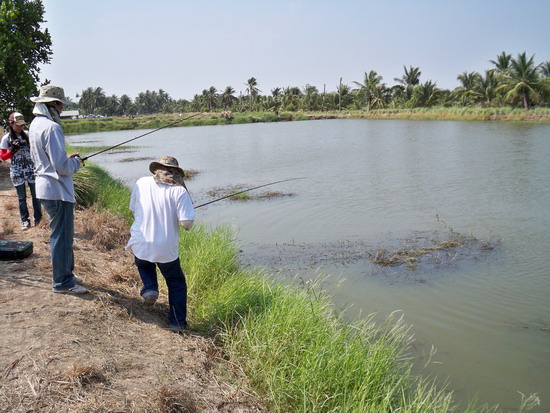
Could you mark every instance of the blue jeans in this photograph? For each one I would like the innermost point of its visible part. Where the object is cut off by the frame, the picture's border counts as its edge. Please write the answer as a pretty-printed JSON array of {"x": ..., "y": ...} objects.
[
  {"x": 23, "y": 210},
  {"x": 175, "y": 281},
  {"x": 61, "y": 215}
]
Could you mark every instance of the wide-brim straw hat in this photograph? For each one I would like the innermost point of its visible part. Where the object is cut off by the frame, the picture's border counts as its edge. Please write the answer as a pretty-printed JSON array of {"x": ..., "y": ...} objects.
[
  {"x": 166, "y": 161},
  {"x": 50, "y": 93}
]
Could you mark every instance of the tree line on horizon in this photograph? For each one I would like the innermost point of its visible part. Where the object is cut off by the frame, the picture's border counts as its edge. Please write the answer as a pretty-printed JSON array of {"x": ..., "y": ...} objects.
[{"x": 512, "y": 81}]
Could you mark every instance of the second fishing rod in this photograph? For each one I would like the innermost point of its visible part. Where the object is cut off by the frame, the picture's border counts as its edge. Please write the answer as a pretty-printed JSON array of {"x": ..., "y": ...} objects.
[{"x": 172, "y": 124}]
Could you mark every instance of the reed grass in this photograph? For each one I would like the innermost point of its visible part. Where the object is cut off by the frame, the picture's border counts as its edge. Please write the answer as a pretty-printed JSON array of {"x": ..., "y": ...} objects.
[
  {"x": 299, "y": 354},
  {"x": 449, "y": 113}
]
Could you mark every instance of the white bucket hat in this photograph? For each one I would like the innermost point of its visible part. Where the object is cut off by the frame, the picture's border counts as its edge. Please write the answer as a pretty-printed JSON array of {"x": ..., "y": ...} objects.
[{"x": 50, "y": 93}]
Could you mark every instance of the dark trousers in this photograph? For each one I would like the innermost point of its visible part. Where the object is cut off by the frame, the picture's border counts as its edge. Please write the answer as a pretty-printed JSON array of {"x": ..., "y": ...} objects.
[
  {"x": 22, "y": 197},
  {"x": 175, "y": 281},
  {"x": 61, "y": 215}
]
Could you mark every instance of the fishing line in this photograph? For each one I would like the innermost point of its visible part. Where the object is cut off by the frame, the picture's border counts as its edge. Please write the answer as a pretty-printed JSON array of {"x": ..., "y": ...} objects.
[
  {"x": 246, "y": 190},
  {"x": 140, "y": 136}
]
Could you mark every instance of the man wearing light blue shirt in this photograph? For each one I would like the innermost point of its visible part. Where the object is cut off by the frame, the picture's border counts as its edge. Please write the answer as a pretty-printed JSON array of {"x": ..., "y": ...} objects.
[{"x": 54, "y": 184}]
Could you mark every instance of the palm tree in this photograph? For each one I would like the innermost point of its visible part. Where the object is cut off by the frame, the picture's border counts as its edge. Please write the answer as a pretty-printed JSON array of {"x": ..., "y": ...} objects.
[
  {"x": 502, "y": 63},
  {"x": 228, "y": 97},
  {"x": 487, "y": 85},
  {"x": 209, "y": 97},
  {"x": 311, "y": 94},
  {"x": 124, "y": 105},
  {"x": 291, "y": 97},
  {"x": 545, "y": 68},
  {"x": 92, "y": 99},
  {"x": 410, "y": 79},
  {"x": 426, "y": 94},
  {"x": 111, "y": 106},
  {"x": 523, "y": 82},
  {"x": 370, "y": 88},
  {"x": 344, "y": 95},
  {"x": 468, "y": 91},
  {"x": 252, "y": 90},
  {"x": 276, "y": 94}
]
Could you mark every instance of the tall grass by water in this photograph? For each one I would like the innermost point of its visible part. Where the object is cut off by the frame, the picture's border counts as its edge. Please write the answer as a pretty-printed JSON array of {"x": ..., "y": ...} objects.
[{"x": 299, "y": 354}]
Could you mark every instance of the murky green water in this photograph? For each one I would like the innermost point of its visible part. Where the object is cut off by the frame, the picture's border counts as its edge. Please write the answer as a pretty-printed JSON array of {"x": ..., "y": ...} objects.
[{"x": 380, "y": 184}]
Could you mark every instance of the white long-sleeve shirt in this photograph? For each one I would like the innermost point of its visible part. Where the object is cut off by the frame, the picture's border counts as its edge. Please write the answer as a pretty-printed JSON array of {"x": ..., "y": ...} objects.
[{"x": 53, "y": 168}]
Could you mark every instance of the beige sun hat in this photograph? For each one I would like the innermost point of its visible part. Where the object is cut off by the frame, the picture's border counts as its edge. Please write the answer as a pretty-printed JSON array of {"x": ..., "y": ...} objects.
[
  {"x": 50, "y": 93},
  {"x": 166, "y": 161}
]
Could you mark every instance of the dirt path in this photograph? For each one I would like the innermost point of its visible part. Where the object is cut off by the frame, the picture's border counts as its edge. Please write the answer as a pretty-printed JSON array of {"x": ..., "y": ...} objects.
[{"x": 103, "y": 351}]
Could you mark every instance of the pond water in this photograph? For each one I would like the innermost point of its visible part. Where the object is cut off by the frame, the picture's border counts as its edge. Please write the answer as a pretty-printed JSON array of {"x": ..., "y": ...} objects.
[{"x": 391, "y": 184}]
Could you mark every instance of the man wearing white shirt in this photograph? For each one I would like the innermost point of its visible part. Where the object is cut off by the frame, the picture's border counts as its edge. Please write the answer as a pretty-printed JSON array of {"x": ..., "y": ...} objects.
[
  {"x": 161, "y": 204},
  {"x": 54, "y": 171}
]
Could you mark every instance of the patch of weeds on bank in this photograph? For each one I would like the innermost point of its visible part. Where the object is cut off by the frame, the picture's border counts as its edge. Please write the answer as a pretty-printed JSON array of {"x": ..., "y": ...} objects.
[{"x": 235, "y": 193}]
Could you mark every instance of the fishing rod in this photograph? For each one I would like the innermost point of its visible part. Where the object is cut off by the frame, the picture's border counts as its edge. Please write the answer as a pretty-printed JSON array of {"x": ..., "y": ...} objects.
[
  {"x": 246, "y": 190},
  {"x": 140, "y": 136}
]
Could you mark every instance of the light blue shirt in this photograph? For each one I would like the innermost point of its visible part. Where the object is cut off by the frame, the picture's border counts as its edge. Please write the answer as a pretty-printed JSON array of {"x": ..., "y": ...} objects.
[{"x": 53, "y": 168}]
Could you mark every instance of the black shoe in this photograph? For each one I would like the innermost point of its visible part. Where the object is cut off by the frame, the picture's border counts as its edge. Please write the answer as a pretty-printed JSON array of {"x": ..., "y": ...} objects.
[{"x": 178, "y": 328}]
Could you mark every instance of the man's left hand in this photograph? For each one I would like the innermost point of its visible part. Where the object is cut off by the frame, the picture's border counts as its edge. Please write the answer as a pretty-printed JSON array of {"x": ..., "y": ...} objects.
[{"x": 77, "y": 155}]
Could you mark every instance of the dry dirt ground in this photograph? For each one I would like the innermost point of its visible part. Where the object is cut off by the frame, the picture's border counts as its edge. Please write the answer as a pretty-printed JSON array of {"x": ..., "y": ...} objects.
[{"x": 102, "y": 351}]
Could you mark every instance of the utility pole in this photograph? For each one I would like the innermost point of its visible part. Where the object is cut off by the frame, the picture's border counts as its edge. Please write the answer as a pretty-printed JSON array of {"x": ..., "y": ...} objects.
[{"x": 340, "y": 96}]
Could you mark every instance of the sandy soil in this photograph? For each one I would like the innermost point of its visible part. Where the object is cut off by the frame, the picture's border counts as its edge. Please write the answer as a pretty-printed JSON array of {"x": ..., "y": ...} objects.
[{"x": 102, "y": 351}]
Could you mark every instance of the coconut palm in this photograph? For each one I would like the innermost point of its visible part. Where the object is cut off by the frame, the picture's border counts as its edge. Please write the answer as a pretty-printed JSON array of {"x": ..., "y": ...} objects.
[
  {"x": 310, "y": 99},
  {"x": 522, "y": 82},
  {"x": 345, "y": 97},
  {"x": 487, "y": 86},
  {"x": 502, "y": 63},
  {"x": 124, "y": 105},
  {"x": 291, "y": 97},
  {"x": 252, "y": 90},
  {"x": 228, "y": 97},
  {"x": 92, "y": 99},
  {"x": 276, "y": 93},
  {"x": 409, "y": 80},
  {"x": 468, "y": 91},
  {"x": 370, "y": 88},
  {"x": 425, "y": 94},
  {"x": 545, "y": 69},
  {"x": 209, "y": 97}
]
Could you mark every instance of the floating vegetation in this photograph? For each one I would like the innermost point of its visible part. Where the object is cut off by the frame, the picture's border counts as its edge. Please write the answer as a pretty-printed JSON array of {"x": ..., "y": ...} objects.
[
  {"x": 411, "y": 258},
  {"x": 221, "y": 192},
  {"x": 191, "y": 173},
  {"x": 426, "y": 250},
  {"x": 143, "y": 158},
  {"x": 116, "y": 151}
]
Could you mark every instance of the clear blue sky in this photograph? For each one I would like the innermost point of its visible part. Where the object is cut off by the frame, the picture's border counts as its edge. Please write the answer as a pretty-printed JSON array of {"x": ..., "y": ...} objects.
[{"x": 183, "y": 47}]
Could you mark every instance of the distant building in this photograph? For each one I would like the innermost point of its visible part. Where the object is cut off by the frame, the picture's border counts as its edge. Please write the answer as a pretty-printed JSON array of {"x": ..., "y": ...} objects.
[{"x": 69, "y": 114}]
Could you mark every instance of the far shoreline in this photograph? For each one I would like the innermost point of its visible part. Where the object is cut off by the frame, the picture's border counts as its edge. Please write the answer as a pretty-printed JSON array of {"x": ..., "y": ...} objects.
[{"x": 107, "y": 124}]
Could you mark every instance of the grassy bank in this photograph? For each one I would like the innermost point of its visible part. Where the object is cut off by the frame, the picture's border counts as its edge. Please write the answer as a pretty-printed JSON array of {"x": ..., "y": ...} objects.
[
  {"x": 78, "y": 126},
  {"x": 298, "y": 353}
]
